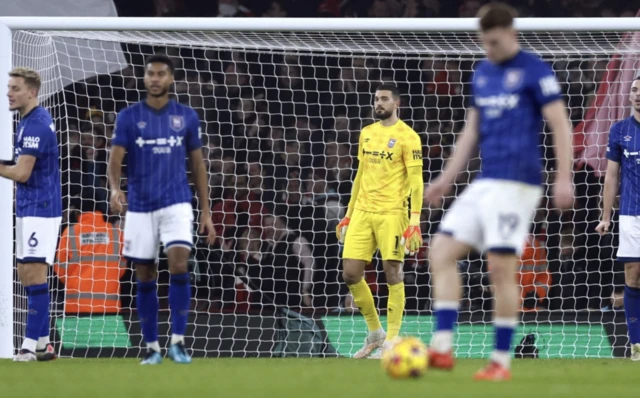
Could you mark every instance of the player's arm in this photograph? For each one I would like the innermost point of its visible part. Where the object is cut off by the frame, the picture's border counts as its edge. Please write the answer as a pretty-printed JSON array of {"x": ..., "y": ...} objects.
[
  {"x": 305, "y": 255},
  {"x": 611, "y": 184},
  {"x": 355, "y": 189},
  {"x": 547, "y": 93},
  {"x": 341, "y": 229},
  {"x": 412, "y": 156},
  {"x": 60, "y": 268},
  {"x": 611, "y": 180},
  {"x": 556, "y": 115},
  {"x": 119, "y": 143},
  {"x": 35, "y": 140},
  {"x": 200, "y": 177},
  {"x": 465, "y": 147},
  {"x": 114, "y": 173},
  {"x": 21, "y": 171}
]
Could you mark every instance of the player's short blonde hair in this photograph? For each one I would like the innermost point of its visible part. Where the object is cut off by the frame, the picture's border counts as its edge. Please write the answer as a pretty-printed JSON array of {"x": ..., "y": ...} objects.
[{"x": 30, "y": 76}]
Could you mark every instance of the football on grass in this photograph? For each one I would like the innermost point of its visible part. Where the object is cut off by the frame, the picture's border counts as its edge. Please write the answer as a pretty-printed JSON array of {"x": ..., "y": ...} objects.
[{"x": 407, "y": 358}]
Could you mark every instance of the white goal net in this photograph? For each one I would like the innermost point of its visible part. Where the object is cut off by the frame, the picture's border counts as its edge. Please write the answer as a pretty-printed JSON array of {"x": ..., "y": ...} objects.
[{"x": 281, "y": 113}]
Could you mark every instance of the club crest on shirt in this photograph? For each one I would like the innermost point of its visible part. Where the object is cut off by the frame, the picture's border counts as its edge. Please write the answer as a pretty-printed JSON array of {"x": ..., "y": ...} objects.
[
  {"x": 512, "y": 79},
  {"x": 176, "y": 122},
  {"x": 626, "y": 138},
  {"x": 142, "y": 124},
  {"x": 392, "y": 142},
  {"x": 481, "y": 81}
]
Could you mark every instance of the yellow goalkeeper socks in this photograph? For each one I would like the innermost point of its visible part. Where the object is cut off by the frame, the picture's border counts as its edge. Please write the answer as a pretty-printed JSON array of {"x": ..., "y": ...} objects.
[
  {"x": 364, "y": 301},
  {"x": 395, "y": 309}
]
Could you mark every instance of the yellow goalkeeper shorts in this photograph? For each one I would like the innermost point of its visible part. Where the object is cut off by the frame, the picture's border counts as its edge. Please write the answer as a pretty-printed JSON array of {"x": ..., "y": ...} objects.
[{"x": 370, "y": 231}]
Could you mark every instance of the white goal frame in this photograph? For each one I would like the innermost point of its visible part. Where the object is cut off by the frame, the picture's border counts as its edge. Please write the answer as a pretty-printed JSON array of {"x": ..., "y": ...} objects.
[{"x": 10, "y": 24}]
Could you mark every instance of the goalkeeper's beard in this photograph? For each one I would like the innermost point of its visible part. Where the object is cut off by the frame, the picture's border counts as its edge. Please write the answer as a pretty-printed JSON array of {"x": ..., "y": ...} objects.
[{"x": 384, "y": 115}]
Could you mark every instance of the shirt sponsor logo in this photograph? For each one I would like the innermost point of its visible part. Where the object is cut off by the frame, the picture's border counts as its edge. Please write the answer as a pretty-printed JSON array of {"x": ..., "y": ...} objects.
[
  {"x": 378, "y": 154},
  {"x": 496, "y": 104},
  {"x": 31, "y": 142},
  {"x": 176, "y": 122},
  {"x": 161, "y": 146}
]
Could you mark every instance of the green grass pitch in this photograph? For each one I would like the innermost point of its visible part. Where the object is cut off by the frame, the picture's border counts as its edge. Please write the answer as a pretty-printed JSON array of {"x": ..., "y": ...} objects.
[{"x": 310, "y": 378}]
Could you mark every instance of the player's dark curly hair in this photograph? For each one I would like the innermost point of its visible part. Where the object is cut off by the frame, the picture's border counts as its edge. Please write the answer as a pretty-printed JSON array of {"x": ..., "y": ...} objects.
[{"x": 162, "y": 59}]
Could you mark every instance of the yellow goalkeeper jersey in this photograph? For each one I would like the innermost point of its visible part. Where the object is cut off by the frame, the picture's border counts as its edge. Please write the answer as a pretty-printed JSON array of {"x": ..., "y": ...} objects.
[{"x": 385, "y": 153}]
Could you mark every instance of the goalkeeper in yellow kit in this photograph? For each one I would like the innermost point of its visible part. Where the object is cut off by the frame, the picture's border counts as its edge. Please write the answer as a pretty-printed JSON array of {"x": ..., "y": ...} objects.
[{"x": 390, "y": 170}]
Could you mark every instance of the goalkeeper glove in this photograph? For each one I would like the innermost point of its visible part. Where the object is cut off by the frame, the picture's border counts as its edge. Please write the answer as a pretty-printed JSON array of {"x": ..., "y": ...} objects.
[
  {"x": 412, "y": 237},
  {"x": 341, "y": 229}
]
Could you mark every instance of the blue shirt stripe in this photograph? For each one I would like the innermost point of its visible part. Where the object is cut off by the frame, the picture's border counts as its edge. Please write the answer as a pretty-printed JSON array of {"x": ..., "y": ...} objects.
[
  {"x": 624, "y": 148},
  {"x": 157, "y": 144},
  {"x": 41, "y": 194},
  {"x": 509, "y": 98}
]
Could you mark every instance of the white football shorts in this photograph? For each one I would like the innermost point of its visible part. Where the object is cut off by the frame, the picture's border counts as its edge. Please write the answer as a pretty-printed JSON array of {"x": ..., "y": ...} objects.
[
  {"x": 37, "y": 239},
  {"x": 629, "y": 240},
  {"x": 493, "y": 215},
  {"x": 143, "y": 232}
]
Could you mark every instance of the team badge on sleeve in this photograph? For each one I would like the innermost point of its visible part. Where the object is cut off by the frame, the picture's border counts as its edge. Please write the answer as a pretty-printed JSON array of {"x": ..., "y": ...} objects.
[{"x": 176, "y": 122}]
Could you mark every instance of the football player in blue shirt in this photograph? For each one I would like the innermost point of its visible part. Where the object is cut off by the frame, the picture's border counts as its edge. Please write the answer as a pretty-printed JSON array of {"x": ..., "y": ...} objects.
[
  {"x": 158, "y": 135},
  {"x": 38, "y": 207},
  {"x": 512, "y": 91},
  {"x": 623, "y": 171}
]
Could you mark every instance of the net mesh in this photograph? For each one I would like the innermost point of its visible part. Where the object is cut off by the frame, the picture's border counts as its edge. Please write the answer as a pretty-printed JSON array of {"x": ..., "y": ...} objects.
[{"x": 281, "y": 113}]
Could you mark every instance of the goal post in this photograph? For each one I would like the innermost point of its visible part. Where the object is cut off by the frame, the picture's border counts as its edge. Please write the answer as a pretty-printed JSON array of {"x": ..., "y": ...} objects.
[
  {"x": 6, "y": 206},
  {"x": 266, "y": 89}
]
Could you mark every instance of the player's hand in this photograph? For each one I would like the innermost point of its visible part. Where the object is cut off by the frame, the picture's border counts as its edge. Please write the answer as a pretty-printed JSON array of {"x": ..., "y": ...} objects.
[
  {"x": 563, "y": 194},
  {"x": 341, "y": 229},
  {"x": 118, "y": 199},
  {"x": 603, "y": 227},
  {"x": 206, "y": 228},
  {"x": 435, "y": 191},
  {"x": 412, "y": 237},
  {"x": 307, "y": 299}
]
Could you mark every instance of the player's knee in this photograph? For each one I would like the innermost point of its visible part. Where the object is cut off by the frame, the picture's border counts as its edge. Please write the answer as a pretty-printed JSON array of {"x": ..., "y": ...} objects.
[
  {"x": 178, "y": 267},
  {"x": 32, "y": 274},
  {"x": 632, "y": 275},
  {"x": 350, "y": 277},
  {"x": 393, "y": 272},
  {"x": 503, "y": 269},
  {"x": 178, "y": 258},
  {"x": 439, "y": 253},
  {"x": 146, "y": 273},
  {"x": 353, "y": 271}
]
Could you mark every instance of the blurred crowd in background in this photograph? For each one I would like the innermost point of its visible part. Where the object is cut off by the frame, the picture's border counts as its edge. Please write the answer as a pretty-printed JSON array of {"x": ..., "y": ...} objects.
[
  {"x": 281, "y": 133},
  {"x": 370, "y": 8}
]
